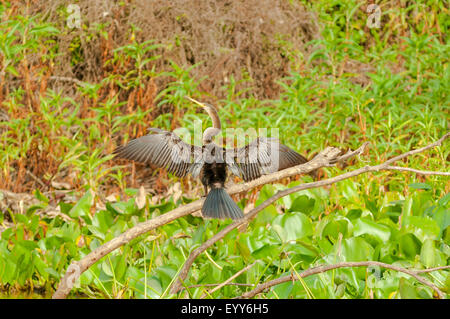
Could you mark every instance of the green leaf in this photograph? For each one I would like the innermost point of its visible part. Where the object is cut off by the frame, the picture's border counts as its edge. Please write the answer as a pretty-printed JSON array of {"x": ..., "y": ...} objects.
[
  {"x": 44, "y": 30},
  {"x": 96, "y": 232},
  {"x": 106, "y": 267},
  {"x": 166, "y": 274},
  {"x": 349, "y": 189},
  {"x": 354, "y": 249},
  {"x": 354, "y": 214},
  {"x": 333, "y": 227},
  {"x": 283, "y": 290},
  {"x": 65, "y": 207},
  {"x": 420, "y": 186},
  {"x": 127, "y": 208},
  {"x": 444, "y": 200},
  {"x": 266, "y": 251},
  {"x": 407, "y": 291},
  {"x": 426, "y": 224},
  {"x": 442, "y": 218},
  {"x": 292, "y": 226},
  {"x": 406, "y": 209},
  {"x": 266, "y": 192},
  {"x": 409, "y": 245},
  {"x": 41, "y": 197},
  {"x": 447, "y": 282},
  {"x": 428, "y": 254},
  {"x": 367, "y": 226},
  {"x": 83, "y": 206},
  {"x": 303, "y": 204},
  {"x": 266, "y": 216}
]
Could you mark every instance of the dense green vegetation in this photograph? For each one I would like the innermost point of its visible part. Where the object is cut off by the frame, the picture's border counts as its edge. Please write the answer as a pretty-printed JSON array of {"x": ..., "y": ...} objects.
[{"x": 388, "y": 86}]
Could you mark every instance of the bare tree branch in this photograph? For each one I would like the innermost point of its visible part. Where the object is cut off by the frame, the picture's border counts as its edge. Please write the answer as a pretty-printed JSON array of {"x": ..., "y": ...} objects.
[
  {"x": 421, "y": 271},
  {"x": 66, "y": 79},
  {"x": 215, "y": 285},
  {"x": 407, "y": 169},
  {"x": 320, "y": 269}
]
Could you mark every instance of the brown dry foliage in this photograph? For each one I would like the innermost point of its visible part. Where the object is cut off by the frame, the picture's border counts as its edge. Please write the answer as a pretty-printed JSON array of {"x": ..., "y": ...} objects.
[{"x": 227, "y": 38}]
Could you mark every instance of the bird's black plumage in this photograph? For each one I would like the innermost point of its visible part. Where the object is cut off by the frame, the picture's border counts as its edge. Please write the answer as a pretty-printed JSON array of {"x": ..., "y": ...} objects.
[
  {"x": 218, "y": 204},
  {"x": 211, "y": 162}
]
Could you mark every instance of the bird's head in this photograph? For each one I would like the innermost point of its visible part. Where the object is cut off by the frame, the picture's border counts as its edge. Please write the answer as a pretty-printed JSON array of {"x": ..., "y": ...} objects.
[{"x": 211, "y": 110}]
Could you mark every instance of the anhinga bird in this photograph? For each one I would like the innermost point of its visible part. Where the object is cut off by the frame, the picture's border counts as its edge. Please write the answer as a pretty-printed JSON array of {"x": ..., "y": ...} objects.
[{"x": 210, "y": 162}]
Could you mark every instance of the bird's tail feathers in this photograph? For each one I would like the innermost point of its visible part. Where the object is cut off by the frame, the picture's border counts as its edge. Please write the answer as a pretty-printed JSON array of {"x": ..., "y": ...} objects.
[{"x": 219, "y": 204}]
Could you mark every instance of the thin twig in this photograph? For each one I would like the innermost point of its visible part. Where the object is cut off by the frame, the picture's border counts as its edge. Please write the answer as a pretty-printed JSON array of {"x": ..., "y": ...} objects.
[
  {"x": 214, "y": 285},
  {"x": 36, "y": 179},
  {"x": 67, "y": 79},
  {"x": 420, "y": 271},
  {"x": 351, "y": 154},
  {"x": 320, "y": 269},
  {"x": 407, "y": 169}
]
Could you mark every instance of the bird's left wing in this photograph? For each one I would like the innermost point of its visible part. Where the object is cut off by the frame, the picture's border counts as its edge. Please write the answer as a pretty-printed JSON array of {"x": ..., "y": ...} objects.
[{"x": 164, "y": 149}]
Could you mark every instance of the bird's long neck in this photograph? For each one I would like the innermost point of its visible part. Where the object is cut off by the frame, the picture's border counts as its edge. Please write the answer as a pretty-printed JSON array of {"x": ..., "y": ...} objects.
[
  {"x": 209, "y": 133},
  {"x": 212, "y": 112}
]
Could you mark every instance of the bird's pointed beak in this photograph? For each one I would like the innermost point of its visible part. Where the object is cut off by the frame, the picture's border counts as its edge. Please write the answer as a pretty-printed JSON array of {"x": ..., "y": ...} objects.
[{"x": 195, "y": 101}]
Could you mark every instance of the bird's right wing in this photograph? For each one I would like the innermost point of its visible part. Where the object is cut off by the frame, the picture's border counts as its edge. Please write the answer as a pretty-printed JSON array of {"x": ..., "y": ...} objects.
[
  {"x": 264, "y": 156},
  {"x": 163, "y": 149}
]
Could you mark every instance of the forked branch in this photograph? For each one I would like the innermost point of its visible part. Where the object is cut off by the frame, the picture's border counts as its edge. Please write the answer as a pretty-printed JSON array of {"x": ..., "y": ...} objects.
[
  {"x": 326, "y": 158},
  {"x": 177, "y": 285}
]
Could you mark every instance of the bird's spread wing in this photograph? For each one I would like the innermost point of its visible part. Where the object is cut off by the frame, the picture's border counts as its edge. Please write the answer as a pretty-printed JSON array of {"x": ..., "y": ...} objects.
[
  {"x": 163, "y": 149},
  {"x": 264, "y": 156}
]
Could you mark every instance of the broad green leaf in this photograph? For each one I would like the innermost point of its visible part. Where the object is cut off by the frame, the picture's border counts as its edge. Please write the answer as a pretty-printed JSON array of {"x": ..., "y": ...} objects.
[
  {"x": 409, "y": 245},
  {"x": 303, "y": 204},
  {"x": 348, "y": 189},
  {"x": 83, "y": 206},
  {"x": 407, "y": 291},
  {"x": 266, "y": 216},
  {"x": 406, "y": 209},
  {"x": 334, "y": 226},
  {"x": 367, "y": 226},
  {"x": 428, "y": 254},
  {"x": 354, "y": 214},
  {"x": 106, "y": 267},
  {"x": 292, "y": 226},
  {"x": 266, "y": 251},
  {"x": 442, "y": 217},
  {"x": 283, "y": 290},
  {"x": 354, "y": 249},
  {"x": 86, "y": 277},
  {"x": 427, "y": 225}
]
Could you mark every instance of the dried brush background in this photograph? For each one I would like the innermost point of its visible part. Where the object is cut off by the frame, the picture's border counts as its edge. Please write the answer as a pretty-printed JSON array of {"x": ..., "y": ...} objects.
[{"x": 227, "y": 38}]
